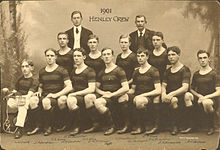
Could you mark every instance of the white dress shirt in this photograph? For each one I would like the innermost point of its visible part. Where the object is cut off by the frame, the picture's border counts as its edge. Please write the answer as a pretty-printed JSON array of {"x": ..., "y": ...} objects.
[{"x": 77, "y": 36}]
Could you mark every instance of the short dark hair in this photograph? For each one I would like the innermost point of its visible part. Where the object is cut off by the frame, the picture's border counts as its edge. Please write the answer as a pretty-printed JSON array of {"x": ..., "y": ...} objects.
[
  {"x": 61, "y": 33},
  {"x": 30, "y": 62},
  {"x": 143, "y": 50},
  {"x": 125, "y": 36},
  {"x": 82, "y": 50},
  {"x": 139, "y": 16},
  {"x": 93, "y": 36},
  {"x": 203, "y": 51},
  {"x": 174, "y": 49},
  {"x": 105, "y": 48},
  {"x": 160, "y": 34},
  {"x": 76, "y": 12},
  {"x": 50, "y": 49}
]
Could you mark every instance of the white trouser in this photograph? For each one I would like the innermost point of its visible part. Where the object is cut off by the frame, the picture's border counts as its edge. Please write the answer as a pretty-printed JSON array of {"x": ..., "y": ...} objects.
[{"x": 22, "y": 110}]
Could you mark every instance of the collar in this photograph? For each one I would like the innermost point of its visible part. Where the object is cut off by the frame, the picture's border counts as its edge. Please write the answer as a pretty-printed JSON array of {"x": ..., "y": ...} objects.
[
  {"x": 142, "y": 32},
  {"x": 79, "y": 28}
]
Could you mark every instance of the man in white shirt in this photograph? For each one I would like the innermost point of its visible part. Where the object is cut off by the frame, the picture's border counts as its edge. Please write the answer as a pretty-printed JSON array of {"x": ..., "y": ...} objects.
[{"x": 78, "y": 35}]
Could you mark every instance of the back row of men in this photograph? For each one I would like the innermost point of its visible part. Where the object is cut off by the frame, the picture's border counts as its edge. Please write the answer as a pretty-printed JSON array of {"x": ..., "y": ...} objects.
[{"x": 83, "y": 89}]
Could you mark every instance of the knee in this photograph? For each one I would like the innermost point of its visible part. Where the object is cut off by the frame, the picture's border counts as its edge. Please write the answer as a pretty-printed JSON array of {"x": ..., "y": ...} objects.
[
  {"x": 72, "y": 103},
  {"x": 99, "y": 105},
  {"x": 89, "y": 100},
  {"x": 12, "y": 103},
  {"x": 208, "y": 105},
  {"x": 123, "y": 98},
  {"x": 62, "y": 102},
  {"x": 188, "y": 98},
  {"x": 174, "y": 102},
  {"x": 33, "y": 102},
  {"x": 46, "y": 103},
  {"x": 141, "y": 102}
]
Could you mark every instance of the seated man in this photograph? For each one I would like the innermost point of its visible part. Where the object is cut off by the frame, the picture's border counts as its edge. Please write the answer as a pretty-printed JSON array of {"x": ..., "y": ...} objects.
[
  {"x": 25, "y": 86},
  {"x": 146, "y": 88},
  {"x": 112, "y": 86},
  {"x": 175, "y": 86},
  {"x": 54, "y": 83},
  {"x": 206, "y": 87},
  {"x": 83, "y": 82}
]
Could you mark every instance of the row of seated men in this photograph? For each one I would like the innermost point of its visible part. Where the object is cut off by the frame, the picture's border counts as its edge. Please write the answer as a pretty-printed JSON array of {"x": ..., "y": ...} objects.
[{"x": 84, "y": 92}]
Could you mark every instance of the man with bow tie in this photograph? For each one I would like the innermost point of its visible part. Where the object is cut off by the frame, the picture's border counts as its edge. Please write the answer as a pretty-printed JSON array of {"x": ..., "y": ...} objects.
[
  {"x": 141, "y": 38},
  {"x": 78, "y": 35}
]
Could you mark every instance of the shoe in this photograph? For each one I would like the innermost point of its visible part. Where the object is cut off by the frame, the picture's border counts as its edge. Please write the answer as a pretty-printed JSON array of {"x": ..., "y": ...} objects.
[
  {"x": 48, "y": 131},
  {"x": 34, "y": 131},
  {"x": 211, "y": 131},
  {"x": 92, "y": 129},
  {"x": 74, "y": 132},
  {"x": 152, "y": 131},
  {"x": 61, "y": 129},
  {"x": 109, "y": 131},
  {"x": 18, "y": 133},
  {"x": 123, "y": 130},
  {"x": 174, "y": 131},
  {"x": 137, "y": 131},
  {"x": 188, "y": 130}
]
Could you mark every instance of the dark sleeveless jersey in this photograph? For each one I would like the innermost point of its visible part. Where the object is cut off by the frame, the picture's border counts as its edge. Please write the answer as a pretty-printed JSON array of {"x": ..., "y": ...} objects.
[
  {"x": 145, "y": 81},
  {"x": 111, "y": 81},
  {"x": 160, "y": 62},
  {"x": 80, "y": 81},
  {"x": 96, "y": 64},
  {"x": 205, "y": 84},
  {"x": 66, "y": 61},
  {"x": 128, "y": 64},
  {"x": 174, "y": 80},
  {"x": 23, "y": 85},
  {"x": 53, "y": 82}
]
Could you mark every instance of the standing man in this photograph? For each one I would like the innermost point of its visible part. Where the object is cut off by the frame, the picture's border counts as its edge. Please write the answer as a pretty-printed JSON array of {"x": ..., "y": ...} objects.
[
  {"x": 206, "y": 88},
  {"x": 174, "y": 88},
  {"x": 78, "y": 35},
  {"x": 112, "y": 86},
  {"x": 141, "y": 38}
]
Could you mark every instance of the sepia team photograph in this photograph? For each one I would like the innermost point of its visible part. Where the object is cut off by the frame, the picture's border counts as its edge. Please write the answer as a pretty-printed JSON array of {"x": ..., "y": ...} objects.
[{"x": 110, "y": 75}]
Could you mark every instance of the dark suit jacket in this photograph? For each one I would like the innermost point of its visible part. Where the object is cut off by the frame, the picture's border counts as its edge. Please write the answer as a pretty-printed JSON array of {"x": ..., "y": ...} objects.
[
  {"x": 83, "y": 38},
  {"x": 147, "y": 40}
]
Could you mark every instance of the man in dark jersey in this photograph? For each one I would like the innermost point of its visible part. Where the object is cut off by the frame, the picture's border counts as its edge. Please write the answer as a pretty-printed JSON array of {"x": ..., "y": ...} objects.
[
  {"x": 83, "y": 82},
  {"x": 112, "y": 85},
  {"x": 206, "y": 87},
  {"x": 145, "y": 89},
  {"x": 25, "y": 87},
  {"x": 159, "y": 59},
  {"x": 175, "y": 86},
  {"x": 64, "y": 54},
  {"x": 54, "y": 83},
  {"x": 127, "y": 60},
  {"x": 94, "y": 59}
]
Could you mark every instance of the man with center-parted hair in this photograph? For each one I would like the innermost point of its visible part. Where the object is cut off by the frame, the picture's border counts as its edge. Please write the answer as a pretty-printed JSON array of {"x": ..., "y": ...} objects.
[
  {"x": 78, "y": 35},
  {"x": 54, "y": 83},
  {"x": 112, "y": 86},
  {"x": 206, "y": 88},
  {"x": 174, "y": 90},
  {"x": 25, "y": 87}
]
